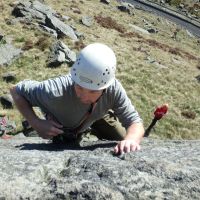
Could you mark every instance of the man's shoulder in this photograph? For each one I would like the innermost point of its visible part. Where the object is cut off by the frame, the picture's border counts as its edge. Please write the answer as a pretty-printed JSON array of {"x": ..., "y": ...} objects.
[
  {"x": 61, "y": 78},
  {"x": 59, "y": 81},
  {"x": 116, "y": 85},
  {"x": 56, "y": 87}
]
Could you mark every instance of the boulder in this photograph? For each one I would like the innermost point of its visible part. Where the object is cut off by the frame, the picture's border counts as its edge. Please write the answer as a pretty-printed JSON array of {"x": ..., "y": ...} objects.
[
  {"x": 1, "y": 37},
  {"x": 26, "y": 9},
  {"x": 60, "y": 27},
  {"x": 87, "y": 20},
  {"x": 126, "y": 7},
  {"x": 7, "y": 101},
  {"x": 8, "y": 53},
  {"x": 198, "y": 78},
  {"x": 32, "y": 9},
  {"x": 152, "y": 30},
  {"x": 105, "y": 1},
  {"x": 45, "y": 17},
  {"x": 181, "y": 6},
  {"x": 9, "y": 77},
  {"x": 160, "y": 170},
  {"x": 60, "y": 53},
  {"x": 138, "y": 29},
  {"x": 49, "y": 30}
]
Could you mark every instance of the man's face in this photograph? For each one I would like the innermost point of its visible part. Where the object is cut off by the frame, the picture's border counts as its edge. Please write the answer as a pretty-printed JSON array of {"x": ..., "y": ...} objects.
[{"x": 87, "y": 96}]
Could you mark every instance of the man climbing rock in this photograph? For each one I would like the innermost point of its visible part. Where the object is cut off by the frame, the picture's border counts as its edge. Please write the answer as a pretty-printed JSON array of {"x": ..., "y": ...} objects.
[{"x": 88, "y": 97}]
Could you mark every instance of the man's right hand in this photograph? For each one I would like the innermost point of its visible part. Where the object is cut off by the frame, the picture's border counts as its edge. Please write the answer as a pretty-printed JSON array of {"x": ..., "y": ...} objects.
[{"x": 47, "y": 129}]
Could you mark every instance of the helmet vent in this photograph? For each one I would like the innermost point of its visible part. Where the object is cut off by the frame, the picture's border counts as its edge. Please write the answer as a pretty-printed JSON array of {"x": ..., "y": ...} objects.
[{"x": 85, "y": 79}]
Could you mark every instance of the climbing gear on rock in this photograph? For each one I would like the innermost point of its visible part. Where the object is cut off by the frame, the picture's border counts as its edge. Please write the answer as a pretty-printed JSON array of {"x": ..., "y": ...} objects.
[
  {"x": 6, "y": 126},
  {"x": 158, "y": 114}
]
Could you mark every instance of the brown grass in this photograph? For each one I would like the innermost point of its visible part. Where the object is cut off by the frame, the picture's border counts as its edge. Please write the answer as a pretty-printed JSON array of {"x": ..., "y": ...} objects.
[
  {"x": 79, "y": 45},
  {"x": 167, "y": 48},
  {"x": 188, "y": 114},
  {"x": 42, "y": 43},
  {"x": 28, "y": 45},
  {"x": 109, "y": 23},
  {"x": 164, "y": 47}
]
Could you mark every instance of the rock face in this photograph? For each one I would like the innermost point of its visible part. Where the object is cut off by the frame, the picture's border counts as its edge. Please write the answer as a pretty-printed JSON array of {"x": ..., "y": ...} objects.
[
  {"x": 8, "y": 53},
  {"x": 46, "y": 18},
  {"x": 7, "y": 101},
  {"x": 60, "y": 53},
  {"x": 32, "y": 168}
]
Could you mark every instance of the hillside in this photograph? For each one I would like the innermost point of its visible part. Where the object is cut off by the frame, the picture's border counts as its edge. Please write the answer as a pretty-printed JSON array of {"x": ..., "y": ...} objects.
[
  {"x": 155, "y": 68},
  {"x": 191, "y": 8}
]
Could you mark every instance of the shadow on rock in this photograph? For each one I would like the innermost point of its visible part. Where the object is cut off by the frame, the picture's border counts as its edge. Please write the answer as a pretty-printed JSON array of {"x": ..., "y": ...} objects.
[{"x": 62, "y": 147}]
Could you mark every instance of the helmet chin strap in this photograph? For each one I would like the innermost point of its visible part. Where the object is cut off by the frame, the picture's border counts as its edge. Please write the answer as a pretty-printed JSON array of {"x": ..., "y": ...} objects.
[
  {"x": 76, "y": 130},
  {"x": 101, "y": 95},
  {"x": 86, "y": 116}
]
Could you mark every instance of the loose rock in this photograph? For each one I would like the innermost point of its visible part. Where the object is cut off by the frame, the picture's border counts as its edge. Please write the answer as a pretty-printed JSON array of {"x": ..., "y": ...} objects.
[
  {"x": 61, "y": 28},
  {"x": 7, "y": 101},
  {"x": 126, "y": 7},
  {"x": 1, "y": 37},
  {"x": 8, "y": 53},
  {"x": 9, "y": 77},
  {"x": 87, "y": 20},
  {"x": 60, "y": 53},
  {"x": 105, "y": 1},
  {"x": 45, "y": 17}
]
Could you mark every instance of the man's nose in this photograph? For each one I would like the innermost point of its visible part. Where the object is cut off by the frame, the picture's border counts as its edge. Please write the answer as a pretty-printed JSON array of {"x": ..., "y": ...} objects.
[{"x": 84, "y": 95}]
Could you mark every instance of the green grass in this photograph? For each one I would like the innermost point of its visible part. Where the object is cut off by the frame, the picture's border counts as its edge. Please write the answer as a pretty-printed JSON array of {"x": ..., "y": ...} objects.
[{"x": 148, "y": 85}]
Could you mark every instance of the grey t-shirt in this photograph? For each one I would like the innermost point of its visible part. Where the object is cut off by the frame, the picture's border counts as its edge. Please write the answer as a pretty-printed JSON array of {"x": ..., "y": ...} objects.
[{"x": 57, "y": 98}]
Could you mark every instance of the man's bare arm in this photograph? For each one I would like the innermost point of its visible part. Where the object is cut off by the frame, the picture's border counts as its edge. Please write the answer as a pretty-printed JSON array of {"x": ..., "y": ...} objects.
[
  {"x": 45, "y": 128},
  {"x": 135, "y": 132}
]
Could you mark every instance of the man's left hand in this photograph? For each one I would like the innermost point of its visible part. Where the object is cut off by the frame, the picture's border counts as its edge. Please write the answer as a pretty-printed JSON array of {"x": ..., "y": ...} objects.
[{"x": 126, "y": 146}]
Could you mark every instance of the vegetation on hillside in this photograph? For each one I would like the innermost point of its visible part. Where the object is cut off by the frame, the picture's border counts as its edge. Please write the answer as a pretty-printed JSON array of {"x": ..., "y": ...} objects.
[
  {"x": 193, "y": 7},
  {"x": 155, "y": 69}
]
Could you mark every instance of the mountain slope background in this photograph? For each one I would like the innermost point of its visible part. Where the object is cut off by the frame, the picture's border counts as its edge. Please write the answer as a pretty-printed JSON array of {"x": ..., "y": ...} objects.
[
  {"x": 190, "y": 7},
  {"x": 153, "y": 68}
]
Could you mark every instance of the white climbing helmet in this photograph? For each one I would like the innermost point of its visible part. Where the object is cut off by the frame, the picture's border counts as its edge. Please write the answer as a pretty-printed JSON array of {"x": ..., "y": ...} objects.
[{"x": 94, "y": 68}]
